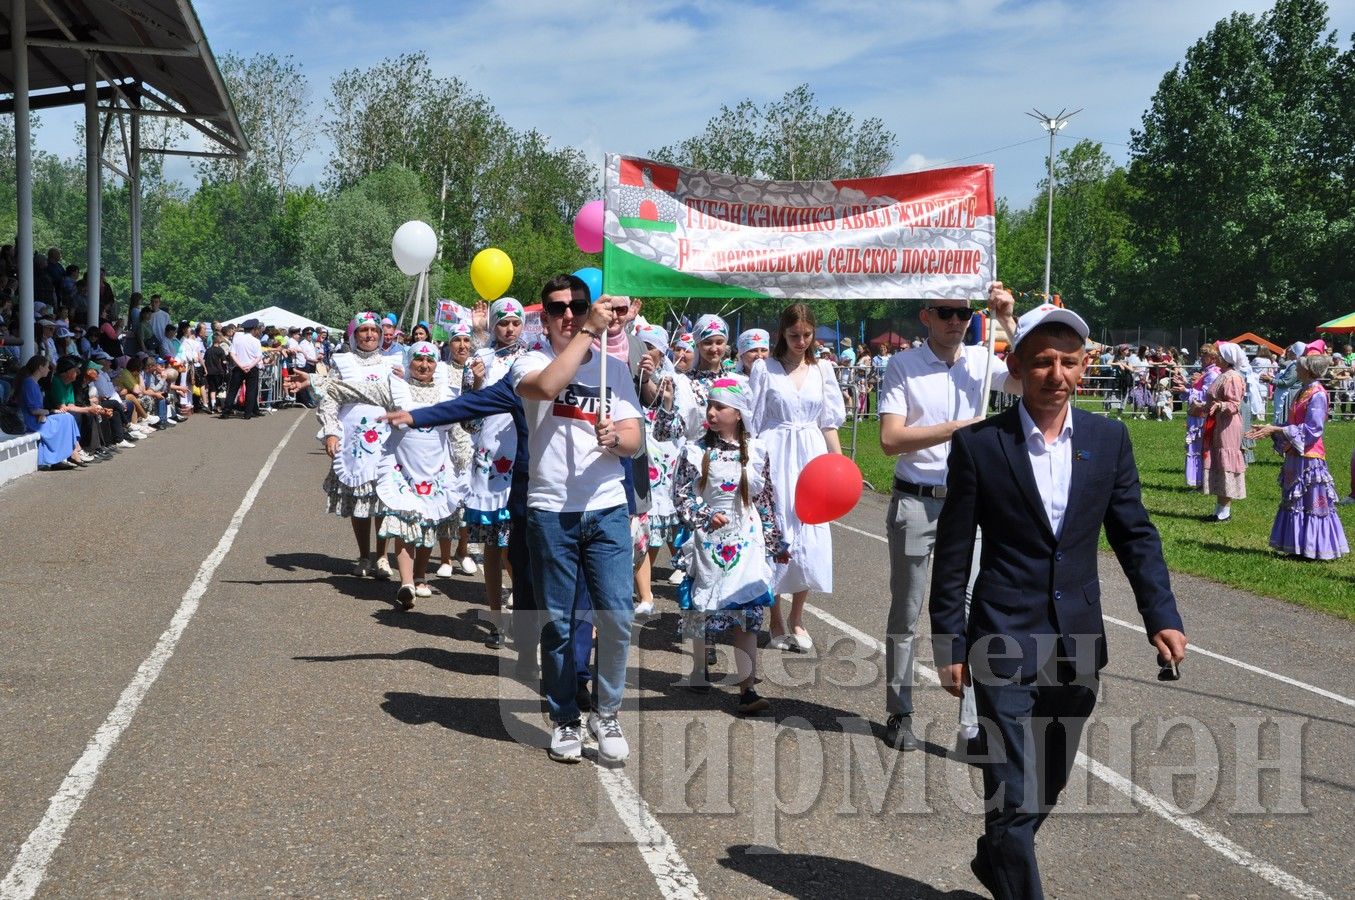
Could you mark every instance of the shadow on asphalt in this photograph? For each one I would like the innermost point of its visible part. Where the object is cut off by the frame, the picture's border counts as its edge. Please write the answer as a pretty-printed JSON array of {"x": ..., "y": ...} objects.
[
  {"x": 475, "y": 716},
  {"x": 447, "y": 660},
  {"x": 810, "y": 877},
  {"x": 1245, "y": 702}
]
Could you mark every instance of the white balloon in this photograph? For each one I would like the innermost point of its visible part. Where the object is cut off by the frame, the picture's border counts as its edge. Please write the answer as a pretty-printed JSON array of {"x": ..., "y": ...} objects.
[{"x": 414, "y": 246}]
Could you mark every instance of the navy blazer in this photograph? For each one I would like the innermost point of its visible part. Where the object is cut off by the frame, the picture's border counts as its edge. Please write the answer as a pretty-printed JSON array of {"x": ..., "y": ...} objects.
[{"x": 1036, "y": 594}]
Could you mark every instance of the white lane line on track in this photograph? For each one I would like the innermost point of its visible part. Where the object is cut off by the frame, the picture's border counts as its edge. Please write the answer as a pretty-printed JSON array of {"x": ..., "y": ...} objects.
[
  {"x": 1194, "y": 648},
  {"x": 30, "y": 866},
  {"x": 674, "y": 879},
  {"x": 1212, "y": 839}
]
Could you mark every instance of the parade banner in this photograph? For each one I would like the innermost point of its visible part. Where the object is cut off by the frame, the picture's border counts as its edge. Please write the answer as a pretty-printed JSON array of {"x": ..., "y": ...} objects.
[{"x": 677, "y": 232}]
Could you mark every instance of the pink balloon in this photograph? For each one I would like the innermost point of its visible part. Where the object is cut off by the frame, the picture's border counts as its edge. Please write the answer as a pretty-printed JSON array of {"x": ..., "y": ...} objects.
[{"x": 588, "y": 227}]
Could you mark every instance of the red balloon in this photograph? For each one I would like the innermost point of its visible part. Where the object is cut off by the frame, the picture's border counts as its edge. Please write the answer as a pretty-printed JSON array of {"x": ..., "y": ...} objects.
[{"x": 828, "y": 489}]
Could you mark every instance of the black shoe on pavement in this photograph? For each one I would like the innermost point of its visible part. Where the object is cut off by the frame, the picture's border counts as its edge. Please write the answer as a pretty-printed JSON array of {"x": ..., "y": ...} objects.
[
  {"x": 752, "y": 704},
  {"x": 495, "y": 640},
  {"x": 899, "y": 732},
  {"x": 583, "y": 697},
  {"x": 982, "y": 868}
]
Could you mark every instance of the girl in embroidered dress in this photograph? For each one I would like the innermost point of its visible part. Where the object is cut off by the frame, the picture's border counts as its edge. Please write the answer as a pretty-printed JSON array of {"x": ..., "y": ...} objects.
[
  {"x": 664, "y": 423},
  {"x": 419, "y": 482},
  {"x": 459, "y": 349},
  {"x": 495, "y": 441},
  {"x": 1306, "y": 523},
  {"x": 725, "y": 495},
  {"x": 797, "y": 410},
  {"x": 352, "y": 437}
]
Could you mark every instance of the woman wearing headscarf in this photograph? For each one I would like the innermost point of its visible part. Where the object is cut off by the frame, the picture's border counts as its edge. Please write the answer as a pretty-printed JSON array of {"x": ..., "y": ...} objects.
[
  {"x": 1224, "y": 473},
  {"x": 1286, "y": 382},
  {"x": 419, "y": 480},
  {"x": 1195, "y": 397},
  {"x": 684, "y": 353},
  {"x": 753, "y": 344},
  {"x": 1306, "y": 524},
  {"x": 456, "y": 359},
  {"x": 672, "y": 400},
  {"x": 495, "y": 441},
  {"x": 711, "y": 335},
  {"x": 352, "y": 437}
]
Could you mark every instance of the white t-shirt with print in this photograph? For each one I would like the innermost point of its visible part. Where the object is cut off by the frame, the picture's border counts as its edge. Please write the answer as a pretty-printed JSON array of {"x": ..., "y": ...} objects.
[{"x": 569, "y": 471}]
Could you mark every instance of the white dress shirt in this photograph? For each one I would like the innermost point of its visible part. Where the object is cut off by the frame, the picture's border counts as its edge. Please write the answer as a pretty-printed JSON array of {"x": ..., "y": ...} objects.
[
  {"x": 1052, "y": 464},
  {"x": 926, "y": 391}
]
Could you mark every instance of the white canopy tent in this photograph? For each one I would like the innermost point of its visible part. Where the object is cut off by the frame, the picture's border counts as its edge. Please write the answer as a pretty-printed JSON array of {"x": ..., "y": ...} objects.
[{"x": 276, "y": 317}]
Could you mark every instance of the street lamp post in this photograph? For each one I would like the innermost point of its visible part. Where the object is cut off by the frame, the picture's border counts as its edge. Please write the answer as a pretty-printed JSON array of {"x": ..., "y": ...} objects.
[{"x": 1052, "y": 124}]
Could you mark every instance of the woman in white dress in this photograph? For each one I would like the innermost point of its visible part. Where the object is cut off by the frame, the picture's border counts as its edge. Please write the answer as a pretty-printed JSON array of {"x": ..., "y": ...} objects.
[
  {"x": 797, "y": 409},
  {"x": 495, "y": 440},
  {"x": 459, "y": 348},
  {"x": 420, "y": 481},
  {"x": 352, "y": 437},
  {"x": 665, "y": 418}
]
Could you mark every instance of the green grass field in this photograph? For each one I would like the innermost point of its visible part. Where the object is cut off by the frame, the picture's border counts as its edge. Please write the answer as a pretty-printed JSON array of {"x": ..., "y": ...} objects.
[{"x": 1235, "y": 553}]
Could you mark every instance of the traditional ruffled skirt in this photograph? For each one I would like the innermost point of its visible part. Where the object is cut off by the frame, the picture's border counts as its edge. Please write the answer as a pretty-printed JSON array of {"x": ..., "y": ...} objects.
[
  {"x": 349, "y": 502},
  {"x": 488, "y": 527},
  {"x": 1306, "y": 523},
  {"x": 415, "y": 530}
]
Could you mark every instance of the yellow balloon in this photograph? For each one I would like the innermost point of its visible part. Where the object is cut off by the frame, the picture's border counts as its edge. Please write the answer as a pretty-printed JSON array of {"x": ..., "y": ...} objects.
[{"x": 491, "y": 272}]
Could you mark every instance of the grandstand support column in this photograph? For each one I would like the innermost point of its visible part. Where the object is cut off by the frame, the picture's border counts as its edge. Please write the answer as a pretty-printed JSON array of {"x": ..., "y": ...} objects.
[
  {"x": 134, "y": 185},
  {"x": 23, "y": 169},
  {"x": 93, "y": 190}
]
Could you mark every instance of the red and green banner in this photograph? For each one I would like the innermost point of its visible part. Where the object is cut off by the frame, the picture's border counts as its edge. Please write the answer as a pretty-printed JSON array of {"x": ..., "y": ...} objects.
[{"x": 676, "y": 232}]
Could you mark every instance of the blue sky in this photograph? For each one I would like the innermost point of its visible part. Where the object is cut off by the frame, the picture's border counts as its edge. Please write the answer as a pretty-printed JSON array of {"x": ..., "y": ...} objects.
[{"x": 953, "y": 79}]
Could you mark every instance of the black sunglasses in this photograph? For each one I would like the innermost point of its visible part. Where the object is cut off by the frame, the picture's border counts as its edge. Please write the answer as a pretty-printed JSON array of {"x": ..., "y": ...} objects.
[
  {"x": 949, "y": 312},
  {"x": 556, "y": 308}
]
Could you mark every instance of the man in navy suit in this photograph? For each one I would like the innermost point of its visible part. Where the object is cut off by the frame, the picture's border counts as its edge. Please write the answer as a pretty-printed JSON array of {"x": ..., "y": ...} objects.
[{"x": 1040, "y": 480}]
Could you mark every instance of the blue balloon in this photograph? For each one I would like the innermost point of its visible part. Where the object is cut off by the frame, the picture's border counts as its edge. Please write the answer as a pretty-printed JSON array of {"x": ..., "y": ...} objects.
[{"x": 592, "y": 276}]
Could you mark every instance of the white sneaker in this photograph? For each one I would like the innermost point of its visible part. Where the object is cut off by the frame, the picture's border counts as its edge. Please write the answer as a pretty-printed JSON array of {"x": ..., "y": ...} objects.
[
  {"x": 172, "y": 422},
  {"x": 422, "y": 590},
  {"x": 124, "y": 444},
  {"x": 606, "y": 730},
  {"x": 780, "y": 642},
  {"x": 134, "y": 435},
  {"x": 803, "y": 642},
  {"x": 468, "y": 566},
  {"x": 566, "y": 744},
  {"x": 677, "y": 577},
  {"x": 445, "y": 570},
  {"x": 152, "y": 420},
  {"x": 644, "y": 608},
  {"x": 382, "y": 570},
  {"x": 87, "y": 457}
]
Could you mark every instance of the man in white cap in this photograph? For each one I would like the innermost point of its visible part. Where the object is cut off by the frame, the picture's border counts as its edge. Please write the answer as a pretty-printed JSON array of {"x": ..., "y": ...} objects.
[
  {"x": 1041, "y": 479},
  {"x": 927, "y": 395}
]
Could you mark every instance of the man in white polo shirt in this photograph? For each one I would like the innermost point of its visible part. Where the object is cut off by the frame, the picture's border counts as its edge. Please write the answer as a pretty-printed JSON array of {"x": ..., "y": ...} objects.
[
  {"x": 578, "y": 523},
  {"x": 247, "y": 353},
  {"x": 928, "y": 394}
]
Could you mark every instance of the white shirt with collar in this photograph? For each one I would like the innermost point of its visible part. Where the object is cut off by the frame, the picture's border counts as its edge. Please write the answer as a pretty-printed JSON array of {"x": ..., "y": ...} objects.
[
  {"x": 1052, "y": 464},
  {"x": 926, "y": 391},
  {"x": 246, "y": 350}
]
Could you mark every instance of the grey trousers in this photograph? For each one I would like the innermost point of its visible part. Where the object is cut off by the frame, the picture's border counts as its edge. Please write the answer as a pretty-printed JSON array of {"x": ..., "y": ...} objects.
[{"x": 910, "y": 525}]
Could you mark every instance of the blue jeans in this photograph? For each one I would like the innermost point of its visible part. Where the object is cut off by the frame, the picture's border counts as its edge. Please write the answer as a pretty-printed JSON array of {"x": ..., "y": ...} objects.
[{"x": 594, "y": 545}]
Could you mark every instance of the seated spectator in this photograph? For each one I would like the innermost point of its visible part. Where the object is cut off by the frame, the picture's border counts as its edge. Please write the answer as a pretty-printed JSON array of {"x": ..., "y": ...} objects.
[
  {"x": 62, "y": 396},
  {"x": 58, "y": 444}
]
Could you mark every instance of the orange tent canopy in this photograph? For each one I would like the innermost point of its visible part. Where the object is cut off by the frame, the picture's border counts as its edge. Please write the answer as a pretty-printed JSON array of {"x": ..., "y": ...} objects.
[{"x": 1248, "y": 337}]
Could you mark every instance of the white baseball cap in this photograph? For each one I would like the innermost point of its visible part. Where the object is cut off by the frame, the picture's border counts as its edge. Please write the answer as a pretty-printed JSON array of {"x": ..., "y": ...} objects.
[{"x": 1044, "y": 315}]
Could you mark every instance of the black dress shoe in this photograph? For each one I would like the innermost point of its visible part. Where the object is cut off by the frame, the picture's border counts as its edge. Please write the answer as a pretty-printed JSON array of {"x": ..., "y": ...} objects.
[
  {"x": 899, "y": 733},
  {"x": 982, "y": 868}
]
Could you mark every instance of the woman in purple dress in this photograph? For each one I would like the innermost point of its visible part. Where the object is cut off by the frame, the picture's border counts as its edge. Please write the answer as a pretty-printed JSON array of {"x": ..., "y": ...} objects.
[
  {"x": 1306, "y": 524},
  {"x": 1199, "y": 388}
]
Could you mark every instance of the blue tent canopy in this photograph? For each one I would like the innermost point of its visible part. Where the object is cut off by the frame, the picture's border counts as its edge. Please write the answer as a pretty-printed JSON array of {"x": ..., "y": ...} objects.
[{"x": 826, "y": 334}]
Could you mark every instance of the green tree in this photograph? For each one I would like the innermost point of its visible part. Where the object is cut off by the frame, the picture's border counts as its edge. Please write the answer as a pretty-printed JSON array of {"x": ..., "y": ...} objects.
[{"x": 1232, "y": 181}]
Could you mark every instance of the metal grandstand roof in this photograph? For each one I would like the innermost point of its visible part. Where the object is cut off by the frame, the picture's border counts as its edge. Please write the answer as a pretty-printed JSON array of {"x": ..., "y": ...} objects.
[{"x": 150, "y": 54}]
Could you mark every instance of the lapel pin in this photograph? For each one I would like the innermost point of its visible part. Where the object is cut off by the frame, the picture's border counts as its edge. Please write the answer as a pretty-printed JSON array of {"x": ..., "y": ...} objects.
[{"x": 1082, "y": 455}]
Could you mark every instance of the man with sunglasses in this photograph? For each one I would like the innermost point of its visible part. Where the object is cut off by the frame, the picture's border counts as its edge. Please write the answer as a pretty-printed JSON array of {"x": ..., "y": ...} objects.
[
  {"x": 578, "y": 521},
  {"x": 928, "y": 394}
]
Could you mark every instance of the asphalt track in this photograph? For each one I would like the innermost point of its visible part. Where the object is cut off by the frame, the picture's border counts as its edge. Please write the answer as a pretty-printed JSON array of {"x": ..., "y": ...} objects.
[{"x": 197, "y": 700}]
